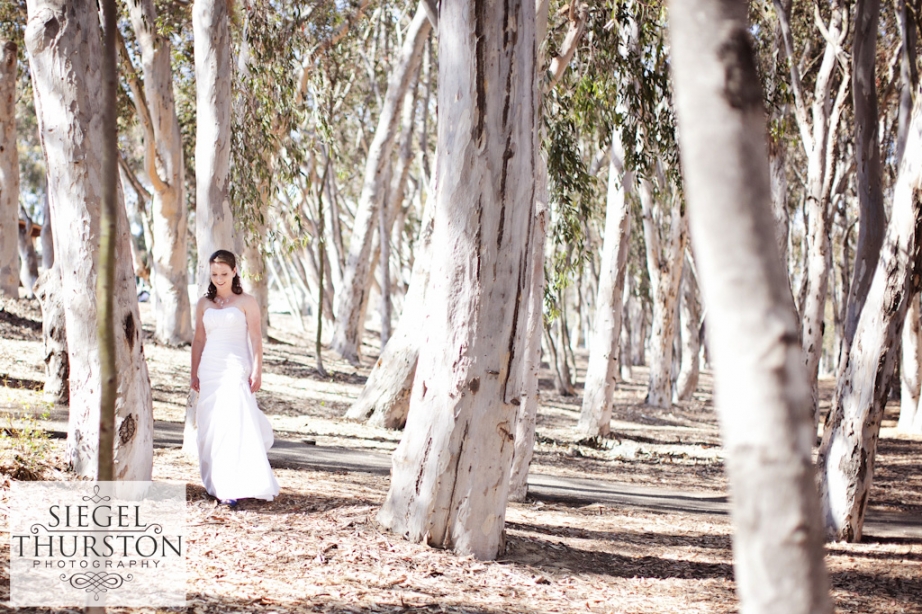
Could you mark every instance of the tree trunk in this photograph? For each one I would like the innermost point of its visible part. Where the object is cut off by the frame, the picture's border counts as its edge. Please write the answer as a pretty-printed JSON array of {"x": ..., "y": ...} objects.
[
  {"x": 385, "y": 399},
  {"x": 779, "y": 179},
  {"x": 910, "y": 367},
  {"x": 255, "y": 279},
  {"x": 9, "y": 171},
  {"x": 450, "y": 475},
  {"x": 850, "y": 439},
  {"x": 872, "y": 219},
  {"x": 350, "y": 299},
  {"x": 690, "y": 321},
  {"x": 164, "y": 164},
  {"x": 28, "y": 259},
  {"x": 762, "y": 388},
  {"x": 214, "y": 222},
  {"x": 48, "y": 289},
  {"x": 847, "y": 453},
  {"x": 602, "y": 372},
  {"x": 664, "y": 263},
  {"x": 527, "y": 414},
  {"x": 70, "y": 118}
]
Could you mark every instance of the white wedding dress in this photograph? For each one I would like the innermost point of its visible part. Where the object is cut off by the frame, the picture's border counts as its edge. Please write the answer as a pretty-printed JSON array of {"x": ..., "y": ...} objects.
[{"x": 233, "y": 434}]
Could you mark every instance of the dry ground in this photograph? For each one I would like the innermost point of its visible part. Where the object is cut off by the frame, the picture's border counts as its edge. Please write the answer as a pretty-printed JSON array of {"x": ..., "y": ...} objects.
[{"x": 317, "y": 547}]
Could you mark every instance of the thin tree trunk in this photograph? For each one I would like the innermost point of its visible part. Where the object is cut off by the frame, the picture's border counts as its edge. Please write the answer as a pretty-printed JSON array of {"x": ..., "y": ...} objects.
[
  {"x": 385, "y": 399},
  {"x": 169, "y": 249},
  {"x": 664, "y": 264},
  {"x": 9, "y": 171},
  {"x": 762, "y": 388},
  {"x": 872, "y": 219},
  {"x": 106, "y": 321},
  {"x": 214, "y": 223},
  {"x": 350, "y": 299},
  {"x": 910, "y": 366},
  {"x": 450, "y": 475},
  {"x": 690, "y": 322},
  {"x": 849, "y": 447},
  {"x": 65, "y": 55},
  {"x": 255, "y": 278},
  {"x": 604, "y": 354},
  {"x": 526, "y": 416}
]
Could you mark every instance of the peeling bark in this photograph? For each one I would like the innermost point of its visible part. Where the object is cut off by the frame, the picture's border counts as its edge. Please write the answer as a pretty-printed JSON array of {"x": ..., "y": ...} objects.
[
  {"x": 690, "y": 324},
  {"x": 70, "y": 122},
  {"x": 849, "y": 446},
  {"x": 450, "y": 474},
  {"x": 48, "y": 289}
]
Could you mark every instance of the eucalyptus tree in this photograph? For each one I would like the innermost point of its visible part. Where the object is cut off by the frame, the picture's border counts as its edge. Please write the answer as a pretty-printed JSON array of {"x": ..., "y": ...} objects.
[
  {"x": 164, "y": 166},
  {"x": 351, "y": 298},
  {"x": 9, "y": 171},
  {"x": 690, "y": 323},
  {"x": 848, "y": 450},
  {"x": 214, "y": 221},
  {"x": 817, "y": 119},
  {"x": 450, "y": 472},
  {"x": 65, "y": 50},
  {"x": 762, "y": 389}
]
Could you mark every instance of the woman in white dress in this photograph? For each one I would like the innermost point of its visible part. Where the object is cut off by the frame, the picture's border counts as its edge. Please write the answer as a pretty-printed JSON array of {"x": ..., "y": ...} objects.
[{"x": 233, "y": 434}]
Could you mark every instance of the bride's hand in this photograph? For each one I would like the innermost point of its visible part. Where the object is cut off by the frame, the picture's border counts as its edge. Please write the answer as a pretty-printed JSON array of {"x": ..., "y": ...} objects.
[
  {"x": 195, "y": 384},
  {"x": 256, "y": 380}
]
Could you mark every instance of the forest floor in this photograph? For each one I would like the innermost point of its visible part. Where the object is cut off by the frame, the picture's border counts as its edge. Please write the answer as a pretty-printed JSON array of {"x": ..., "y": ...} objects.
[{"x": 317, "y": 546}]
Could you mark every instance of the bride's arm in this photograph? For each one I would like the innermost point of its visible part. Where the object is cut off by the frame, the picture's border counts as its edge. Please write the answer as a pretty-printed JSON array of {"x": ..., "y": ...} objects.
[
  {"x": 198, "y": 342},
  {"x": 255, "y": 331}
]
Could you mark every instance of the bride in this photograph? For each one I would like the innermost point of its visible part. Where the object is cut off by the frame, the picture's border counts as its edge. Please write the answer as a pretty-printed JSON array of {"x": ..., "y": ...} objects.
[{"x": 233, "y": 434}]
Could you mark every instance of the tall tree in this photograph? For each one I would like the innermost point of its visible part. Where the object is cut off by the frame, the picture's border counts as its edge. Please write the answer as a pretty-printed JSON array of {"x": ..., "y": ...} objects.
[
  {"x": 9, "y": 171},
  {"x": 65, "y": 50},
  {"x": 872, "y": 219},
  {"x": 662, "y": 210},
  {"x": 690, "y": 325},
  {"x": 214, "y": 222},
  {"x": 818, "y": 130},
  {"x": 849, "y": 446},
  {"x": 165, "y": 168},
  {"x": 604, "y": 352},
  {"x": 762, "y": 391},
  {"x": 350, "y": 301},
  {"x": 451, "y": 470}
]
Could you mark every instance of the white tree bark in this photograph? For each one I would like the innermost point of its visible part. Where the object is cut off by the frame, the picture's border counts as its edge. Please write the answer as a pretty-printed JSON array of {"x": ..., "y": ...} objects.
[
  {"x": 46, "y": 239},
  {"x": 762, "y": 391},
  {"x": 54, "y": 334},
  {"x": 450, "y": 475},
  {"x": 910, "y": 366},
  {"x": 165, "y": 169},
  {"x": 9, "y": 172},
  {"x": 848, "y": 450},
  {"x": 214, "y": 223},
  {"x": 664, "y": 264},
  {"x": 690, "y": 323},
  {"x": 350, "y": 300},
  {"x": 527, "y": 414},
  {"x": 604, "y": 353},
  {"x": 63, "y": 39}
]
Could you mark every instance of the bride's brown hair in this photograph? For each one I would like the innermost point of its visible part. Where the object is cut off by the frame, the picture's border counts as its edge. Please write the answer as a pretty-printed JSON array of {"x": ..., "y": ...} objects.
[{"x": 223, "y": 256}]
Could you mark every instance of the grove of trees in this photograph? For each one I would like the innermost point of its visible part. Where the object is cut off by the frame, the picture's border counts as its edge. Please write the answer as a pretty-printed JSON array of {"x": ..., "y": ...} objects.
[{"x": 486, "y": 186}]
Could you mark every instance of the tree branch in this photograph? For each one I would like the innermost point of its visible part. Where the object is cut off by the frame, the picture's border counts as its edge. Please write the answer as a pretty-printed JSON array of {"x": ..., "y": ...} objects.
[
  {"x": 140, "y": 105},
  {"x": 800, "y": 109},
  {"x": 578, "y": 16}
]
